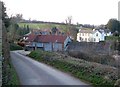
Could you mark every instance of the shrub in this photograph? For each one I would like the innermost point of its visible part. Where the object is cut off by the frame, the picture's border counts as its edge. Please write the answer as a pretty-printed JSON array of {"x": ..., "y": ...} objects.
[{"x": 14, "y": 46}]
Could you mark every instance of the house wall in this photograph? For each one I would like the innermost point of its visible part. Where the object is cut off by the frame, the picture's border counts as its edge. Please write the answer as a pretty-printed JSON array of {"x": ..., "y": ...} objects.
[
  {"x": 97, "y": 36},
  {"x": 83, "y": 37},
  {"x": 51, "y": 46},
  {"x": 78, "y": 37},
  {"x": 38, "y": 44},
  {"x": 89, "y": 37},
  {"x": 47, "y": 46},
  {"x": 66, "y": 42},
  {"x": 57, "y": 46}
]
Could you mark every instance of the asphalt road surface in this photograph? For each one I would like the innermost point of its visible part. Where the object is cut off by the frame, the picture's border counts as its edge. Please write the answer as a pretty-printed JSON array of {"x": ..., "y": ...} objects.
[{"x": 31, "y": 72}]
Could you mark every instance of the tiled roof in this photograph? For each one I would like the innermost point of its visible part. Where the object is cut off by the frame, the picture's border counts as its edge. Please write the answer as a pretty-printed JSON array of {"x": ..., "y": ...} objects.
[
  {"x": 31, "y": 37},
  {"x": 50, "y": 38},
  {"x": 86, "y": 31}
]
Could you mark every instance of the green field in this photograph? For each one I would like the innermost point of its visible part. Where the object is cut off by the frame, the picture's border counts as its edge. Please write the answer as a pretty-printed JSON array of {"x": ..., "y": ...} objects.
[{"x": 43, "y": 26}]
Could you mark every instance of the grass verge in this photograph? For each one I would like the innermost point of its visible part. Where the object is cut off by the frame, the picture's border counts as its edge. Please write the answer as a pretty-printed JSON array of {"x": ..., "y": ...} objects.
[
  {"x": 14, "y": 77},
  {"x": 9, "y": 76},
  {"x": 82, "y": 71}
]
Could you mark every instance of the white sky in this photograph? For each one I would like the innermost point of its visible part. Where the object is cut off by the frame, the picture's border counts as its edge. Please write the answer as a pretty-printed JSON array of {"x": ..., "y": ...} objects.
[{"x": 82, "y": 11}]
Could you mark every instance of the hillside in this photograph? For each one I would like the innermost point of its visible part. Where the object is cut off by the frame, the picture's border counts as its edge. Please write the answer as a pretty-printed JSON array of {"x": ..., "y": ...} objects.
[{"x": 43, "y": 26}]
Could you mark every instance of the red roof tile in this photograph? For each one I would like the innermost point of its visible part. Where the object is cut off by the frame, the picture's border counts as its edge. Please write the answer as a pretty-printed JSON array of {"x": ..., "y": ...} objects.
[
  {"x": 31, "y": 37},
  {"x": 51, "y": 38}
]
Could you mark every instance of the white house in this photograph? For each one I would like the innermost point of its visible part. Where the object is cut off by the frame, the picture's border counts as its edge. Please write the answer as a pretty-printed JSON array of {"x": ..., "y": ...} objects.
[{"x": 92, "y": 35}]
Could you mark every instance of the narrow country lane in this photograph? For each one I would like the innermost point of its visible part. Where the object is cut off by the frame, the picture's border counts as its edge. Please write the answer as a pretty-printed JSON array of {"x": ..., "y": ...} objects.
[{"x": 32, "y": 72}]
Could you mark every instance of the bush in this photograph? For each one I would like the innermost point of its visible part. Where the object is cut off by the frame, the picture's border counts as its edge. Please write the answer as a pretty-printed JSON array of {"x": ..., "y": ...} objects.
[
  {"x": 103, "y": 59},
  {"x": 14, "y": 46}
]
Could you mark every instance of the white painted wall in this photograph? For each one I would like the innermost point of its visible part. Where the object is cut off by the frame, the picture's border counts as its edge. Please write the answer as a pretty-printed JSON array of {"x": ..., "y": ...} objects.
[
  {"x": 66, "y": 42},
  {"x": 84, "y": 37},
  {"x": 96, "y": 36}
]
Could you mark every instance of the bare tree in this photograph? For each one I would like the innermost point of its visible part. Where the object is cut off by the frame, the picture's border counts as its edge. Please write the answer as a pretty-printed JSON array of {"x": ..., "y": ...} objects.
[{"x": 71, "y": 29}]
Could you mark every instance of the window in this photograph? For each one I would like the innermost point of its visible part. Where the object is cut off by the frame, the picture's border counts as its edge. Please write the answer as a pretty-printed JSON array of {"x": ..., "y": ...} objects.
[
  {"x": 97, "y": 34},
  {"x": 94, "y": 39},
  {"x": 80, "y": 38},
  {"x": 83, "y": 34}
]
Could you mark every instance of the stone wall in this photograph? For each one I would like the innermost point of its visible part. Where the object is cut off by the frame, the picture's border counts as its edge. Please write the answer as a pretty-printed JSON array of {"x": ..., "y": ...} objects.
[
  {"x": 93, "y": 48},
  {"x": 95, "y": 52}
]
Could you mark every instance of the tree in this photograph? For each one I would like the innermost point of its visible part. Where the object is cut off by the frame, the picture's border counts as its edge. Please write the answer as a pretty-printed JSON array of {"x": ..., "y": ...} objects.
[
  {"x": 71, "y": 29},
  {"x": 17, "y": 18},
  {"x": 113, "y": 25},
  {"x": 28, "y": 29},
  {"x": 68, "y": 23},
  {"x": 73, "y": 32},
  {"x": 5, "y": 18},
  {"x": 14, "y": 31},
  {"x": 5, "y": 47},
  {"x": 54, "y": 30},
  {"x": 69, "y": 20}
]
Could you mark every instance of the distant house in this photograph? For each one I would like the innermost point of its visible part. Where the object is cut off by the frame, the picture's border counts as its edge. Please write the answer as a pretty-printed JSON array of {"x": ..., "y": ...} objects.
[
  {"x": 47, "y": 42},
  {"x": 36, "y": 32},
  {"x": 42, "y": 32},
  {"x": 92, "y": 35}
]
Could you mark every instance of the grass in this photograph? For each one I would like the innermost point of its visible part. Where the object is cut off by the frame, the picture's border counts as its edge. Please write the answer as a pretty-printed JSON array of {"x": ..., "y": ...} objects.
[
  {"x": 42, "y": 26},
  {"x": 10, "y": 77},
  {"x": 14, "y": 79},
  {"x": 83, "y": 71}
]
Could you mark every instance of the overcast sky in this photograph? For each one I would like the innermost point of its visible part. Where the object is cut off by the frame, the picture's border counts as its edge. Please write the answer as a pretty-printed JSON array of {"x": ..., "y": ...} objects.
[{"x": 82, "y": 11}]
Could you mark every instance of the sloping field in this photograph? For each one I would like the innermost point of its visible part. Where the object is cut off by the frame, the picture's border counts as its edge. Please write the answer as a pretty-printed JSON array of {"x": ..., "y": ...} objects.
[{"x": 43, "y": 26}]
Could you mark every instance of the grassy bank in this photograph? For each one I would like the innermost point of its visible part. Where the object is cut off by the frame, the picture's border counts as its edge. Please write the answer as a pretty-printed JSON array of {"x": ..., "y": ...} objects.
[
  {"x": 10, "y": 78},
  {"x": 97, "y": 74},
  {"x": 14, "y": 78}
]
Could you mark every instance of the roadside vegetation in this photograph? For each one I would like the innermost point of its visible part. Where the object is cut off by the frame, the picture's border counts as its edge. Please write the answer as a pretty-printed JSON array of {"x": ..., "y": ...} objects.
[
  {"x": 14, "y": 46},
  {"x": 14, "y": 77},
  {"x": 97, "y": 74},
  {"x": 112, "y": 38}
]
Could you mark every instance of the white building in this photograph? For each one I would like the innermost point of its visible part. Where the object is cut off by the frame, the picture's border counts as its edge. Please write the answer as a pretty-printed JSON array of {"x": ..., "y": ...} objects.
[{"x": 92, "y": 35}]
